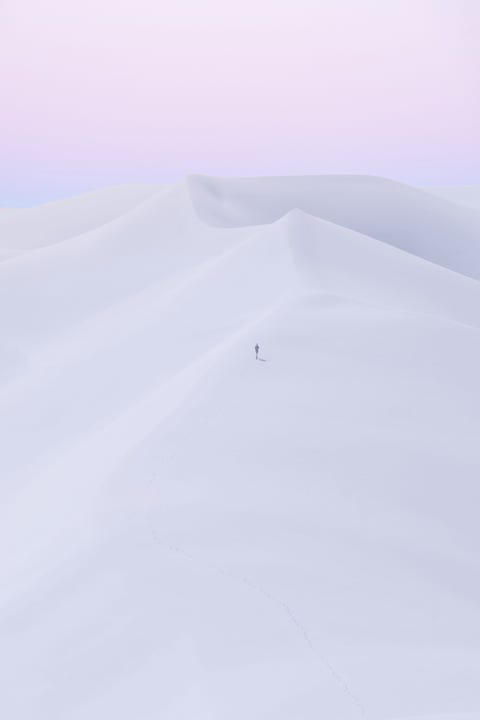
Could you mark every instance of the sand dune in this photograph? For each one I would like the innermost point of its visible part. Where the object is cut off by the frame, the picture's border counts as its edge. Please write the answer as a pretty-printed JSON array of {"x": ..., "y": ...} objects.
[
  {"x": 28, "y": 228},
  {"x": 411, "y": 219},
  {"x": 468, "y": 195},
  {"x": 188, "y": 533}
]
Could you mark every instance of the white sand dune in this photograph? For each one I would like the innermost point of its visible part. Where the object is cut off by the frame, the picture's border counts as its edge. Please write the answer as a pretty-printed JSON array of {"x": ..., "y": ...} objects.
[
  {"x": 400, "y": 215},
  {"x": 468, "y": 195},
  {"x": 187, "y": 533},
  {"x": 28, "y": 228}
]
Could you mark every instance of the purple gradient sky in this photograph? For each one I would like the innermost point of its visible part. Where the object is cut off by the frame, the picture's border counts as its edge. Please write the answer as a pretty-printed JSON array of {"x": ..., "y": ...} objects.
[{"x": 101, "y": 92}]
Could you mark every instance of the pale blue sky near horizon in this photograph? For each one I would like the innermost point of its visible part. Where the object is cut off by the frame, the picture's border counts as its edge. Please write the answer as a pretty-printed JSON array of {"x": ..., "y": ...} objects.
[{"x": 108, "y": 92}]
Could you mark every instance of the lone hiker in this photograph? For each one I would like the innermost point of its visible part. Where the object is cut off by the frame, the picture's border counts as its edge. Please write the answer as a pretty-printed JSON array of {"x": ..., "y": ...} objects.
[{"x": 257, "y": 348}]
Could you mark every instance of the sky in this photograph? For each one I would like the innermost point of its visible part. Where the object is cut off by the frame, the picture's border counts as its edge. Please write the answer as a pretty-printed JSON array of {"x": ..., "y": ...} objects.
[{"x": 102, "y": 92}]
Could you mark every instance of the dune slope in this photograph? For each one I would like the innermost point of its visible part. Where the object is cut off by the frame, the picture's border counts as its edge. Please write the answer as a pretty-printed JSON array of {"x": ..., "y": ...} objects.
[{"x": 28, "y": 228}]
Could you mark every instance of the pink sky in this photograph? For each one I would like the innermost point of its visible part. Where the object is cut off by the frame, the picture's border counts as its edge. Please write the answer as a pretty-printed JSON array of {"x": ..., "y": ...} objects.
[{"x": 110, "y": 91}]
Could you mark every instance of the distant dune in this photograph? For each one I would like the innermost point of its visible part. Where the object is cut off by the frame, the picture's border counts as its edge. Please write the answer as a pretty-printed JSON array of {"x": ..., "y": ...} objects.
[
  {"x": 468, "y": 196},
  {"x": 187, "y": 533},
  {"x": 29, "y": 228}
]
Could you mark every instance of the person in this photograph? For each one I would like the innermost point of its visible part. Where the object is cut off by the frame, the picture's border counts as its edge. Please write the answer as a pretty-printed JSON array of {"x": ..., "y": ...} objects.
[{"x": 257, "y": 348}]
